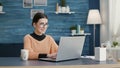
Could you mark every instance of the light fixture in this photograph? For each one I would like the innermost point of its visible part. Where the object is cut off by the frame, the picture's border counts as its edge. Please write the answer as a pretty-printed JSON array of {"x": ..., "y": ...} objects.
[{"x": 93, "y": 19}]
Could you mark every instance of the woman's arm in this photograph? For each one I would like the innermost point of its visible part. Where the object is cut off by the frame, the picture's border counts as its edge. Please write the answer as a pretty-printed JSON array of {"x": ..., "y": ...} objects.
[
  {"x": 54, "y": 46},
  {"x": 27, "y": 45}
]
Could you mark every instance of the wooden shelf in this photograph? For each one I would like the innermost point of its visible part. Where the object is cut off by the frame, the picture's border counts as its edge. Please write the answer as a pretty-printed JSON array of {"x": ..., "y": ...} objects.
[
  {"x": 64, "y": 12},
  {"x": 2, "y": 12},
  {"x": 81, "y": 34}
]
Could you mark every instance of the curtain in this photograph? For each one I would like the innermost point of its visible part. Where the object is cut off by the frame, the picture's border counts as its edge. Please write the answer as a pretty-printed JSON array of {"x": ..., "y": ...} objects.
[{"x": 115, "y": 19}]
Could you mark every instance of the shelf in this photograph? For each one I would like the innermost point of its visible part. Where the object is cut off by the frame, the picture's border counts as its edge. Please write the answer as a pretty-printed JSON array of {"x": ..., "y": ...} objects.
[
  {"x": 64, "y": 12},
  {"x": 81, "y": 34},
  {"x": 2, "y": 12}
]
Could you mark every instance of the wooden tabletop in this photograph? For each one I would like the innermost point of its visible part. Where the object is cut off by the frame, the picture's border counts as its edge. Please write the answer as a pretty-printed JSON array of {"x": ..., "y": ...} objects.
[{"x": 70, "y": 66}]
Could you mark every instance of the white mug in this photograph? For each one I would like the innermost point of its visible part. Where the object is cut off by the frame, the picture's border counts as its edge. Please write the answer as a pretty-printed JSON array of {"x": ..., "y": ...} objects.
[{"x": 24, "y": 54}]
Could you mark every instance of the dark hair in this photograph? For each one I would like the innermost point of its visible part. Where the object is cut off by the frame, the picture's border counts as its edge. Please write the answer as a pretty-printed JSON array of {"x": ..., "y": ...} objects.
[{"x": 38, "y": 16}]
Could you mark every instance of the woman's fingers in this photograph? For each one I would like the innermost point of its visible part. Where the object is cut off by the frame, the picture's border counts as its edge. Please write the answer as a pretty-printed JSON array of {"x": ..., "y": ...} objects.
[{"x": 53, "y": 55}]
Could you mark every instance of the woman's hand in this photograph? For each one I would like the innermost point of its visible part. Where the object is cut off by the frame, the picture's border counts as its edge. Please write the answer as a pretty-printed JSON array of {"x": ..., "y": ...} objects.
[{"x": 53, "y": 55}]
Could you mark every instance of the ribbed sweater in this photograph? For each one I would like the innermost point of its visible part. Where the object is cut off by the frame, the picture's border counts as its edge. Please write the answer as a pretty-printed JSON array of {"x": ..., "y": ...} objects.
[{"x": 37, "y": 47}]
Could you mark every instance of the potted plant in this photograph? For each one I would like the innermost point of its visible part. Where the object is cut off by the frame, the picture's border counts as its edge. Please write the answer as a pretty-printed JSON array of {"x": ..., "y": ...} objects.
[
  {"x": 1, "y": 7},
  {"x": 63, "y": 5},
  {"x": 73, "y": 30},
  {"x": 115, "y": 43}
]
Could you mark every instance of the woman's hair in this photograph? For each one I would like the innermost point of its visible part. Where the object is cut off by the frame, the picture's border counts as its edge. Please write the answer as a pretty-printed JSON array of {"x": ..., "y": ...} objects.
[{"x": 38, "y": 16}]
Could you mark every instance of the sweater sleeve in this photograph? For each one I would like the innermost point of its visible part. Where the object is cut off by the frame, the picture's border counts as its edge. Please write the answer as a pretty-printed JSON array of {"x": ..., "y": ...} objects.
[
  {"x": 54, "y": 46},
  {"x": 27, "y": 45}
]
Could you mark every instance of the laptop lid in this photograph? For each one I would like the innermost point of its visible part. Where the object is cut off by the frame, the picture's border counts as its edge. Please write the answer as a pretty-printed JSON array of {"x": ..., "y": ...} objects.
[{"x": 69, "y": 48}]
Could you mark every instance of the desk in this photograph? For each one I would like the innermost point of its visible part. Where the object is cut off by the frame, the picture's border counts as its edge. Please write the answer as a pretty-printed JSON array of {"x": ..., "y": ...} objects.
[{"x": 16, "y": 61}]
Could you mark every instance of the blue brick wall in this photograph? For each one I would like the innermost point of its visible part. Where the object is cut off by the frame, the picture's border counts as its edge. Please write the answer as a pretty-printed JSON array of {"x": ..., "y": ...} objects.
[{"x": 16, "y": 22}]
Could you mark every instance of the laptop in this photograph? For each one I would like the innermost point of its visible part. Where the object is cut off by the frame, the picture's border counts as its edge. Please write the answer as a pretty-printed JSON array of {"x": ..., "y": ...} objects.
[{"x": 69, "y": 48}]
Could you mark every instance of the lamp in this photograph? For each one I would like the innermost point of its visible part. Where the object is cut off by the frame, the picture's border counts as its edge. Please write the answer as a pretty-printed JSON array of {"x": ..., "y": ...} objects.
[{"x": 94, "y": 18}]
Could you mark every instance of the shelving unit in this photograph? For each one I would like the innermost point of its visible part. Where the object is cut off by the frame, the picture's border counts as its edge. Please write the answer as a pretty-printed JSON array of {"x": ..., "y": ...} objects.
[{"x": 64, "y": 12}]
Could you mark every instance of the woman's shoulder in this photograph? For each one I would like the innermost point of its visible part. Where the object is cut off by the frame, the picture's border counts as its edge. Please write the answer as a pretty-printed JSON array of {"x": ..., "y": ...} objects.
[
  {"x": 49, "y": 36},
  {"x": 27, "y": 36}
]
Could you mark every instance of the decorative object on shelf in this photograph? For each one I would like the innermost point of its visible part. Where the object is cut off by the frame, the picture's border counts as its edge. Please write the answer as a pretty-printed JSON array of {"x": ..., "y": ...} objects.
[
  {"x": 27, "y": 4},
  {"x": 81, "y": 30},
  {"x": 57, "y": 7},
  {"x": 73, "y": 30},
  {"x": 67, "y": 9},
  {"x": 63, "y": 5},
  {"x": 94, "y": 18},
  {"x": 63, "y": 8},
  {"x": 115, "y": 44},
  {"x": 106, "y": 44},
  {"x": 1, "y": 7},
  {"x": 78, "y": 29},
  {"x": 100, "y": 54}
]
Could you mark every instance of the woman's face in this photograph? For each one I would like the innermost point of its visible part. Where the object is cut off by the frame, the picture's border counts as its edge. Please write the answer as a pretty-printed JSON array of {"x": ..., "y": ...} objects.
[{"x": 41, "y": 26}]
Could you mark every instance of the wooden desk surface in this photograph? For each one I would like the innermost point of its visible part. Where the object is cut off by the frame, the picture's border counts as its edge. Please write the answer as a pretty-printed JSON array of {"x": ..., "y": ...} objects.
[
  {"x": 15, "y": 62},
  {"x": 70, "y": 66}
]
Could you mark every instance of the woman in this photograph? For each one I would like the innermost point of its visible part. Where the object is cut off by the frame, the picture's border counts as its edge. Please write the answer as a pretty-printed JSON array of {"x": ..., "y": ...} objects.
[{"x": 38, "y": 43}]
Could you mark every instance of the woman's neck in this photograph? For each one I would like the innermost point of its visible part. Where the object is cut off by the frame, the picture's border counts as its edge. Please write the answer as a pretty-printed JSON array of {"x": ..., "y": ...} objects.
[
  {"x": 38, "y": 37},
  {"x": 38, "y": 33}
]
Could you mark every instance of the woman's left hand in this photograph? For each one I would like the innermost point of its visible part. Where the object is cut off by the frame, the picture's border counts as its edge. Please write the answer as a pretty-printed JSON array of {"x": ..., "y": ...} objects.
[{"x": 53, "y": 55}]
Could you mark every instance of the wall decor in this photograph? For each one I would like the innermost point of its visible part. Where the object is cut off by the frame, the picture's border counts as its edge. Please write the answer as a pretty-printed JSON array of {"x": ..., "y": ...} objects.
[
  {"x": 34, "y": 11},
  {"x": 27, "y": 4},
  {"x": 40, "y": 2}
]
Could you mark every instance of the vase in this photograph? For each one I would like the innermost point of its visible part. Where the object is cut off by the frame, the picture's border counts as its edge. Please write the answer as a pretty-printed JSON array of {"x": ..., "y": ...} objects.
[
  {"x": 78, "y": 29},
  {"x": 81, "y": 31},
  {"x": 63, "y": 9},
  {"x": 73, "y": 32},
  {"x": 67, "y": 9}
]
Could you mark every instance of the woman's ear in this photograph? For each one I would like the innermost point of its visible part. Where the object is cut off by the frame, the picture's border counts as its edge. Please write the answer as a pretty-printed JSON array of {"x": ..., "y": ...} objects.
[{"x": 34, "y": 25}]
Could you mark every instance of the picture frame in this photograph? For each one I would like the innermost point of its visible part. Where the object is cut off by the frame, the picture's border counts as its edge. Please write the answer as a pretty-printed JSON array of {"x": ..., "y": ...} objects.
[
  {"x": 27, "y": 3},
  {"x": 34, "y": 11},
  {"x": 40, "y": 2}
]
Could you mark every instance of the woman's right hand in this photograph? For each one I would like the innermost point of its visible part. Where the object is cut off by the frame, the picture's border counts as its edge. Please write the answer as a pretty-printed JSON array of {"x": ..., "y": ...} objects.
[{"x": 53, "y": 55}]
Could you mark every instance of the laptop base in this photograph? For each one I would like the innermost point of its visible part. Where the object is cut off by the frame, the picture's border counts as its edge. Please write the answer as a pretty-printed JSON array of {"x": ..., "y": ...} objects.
[{"x": 54, "y": 60}]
